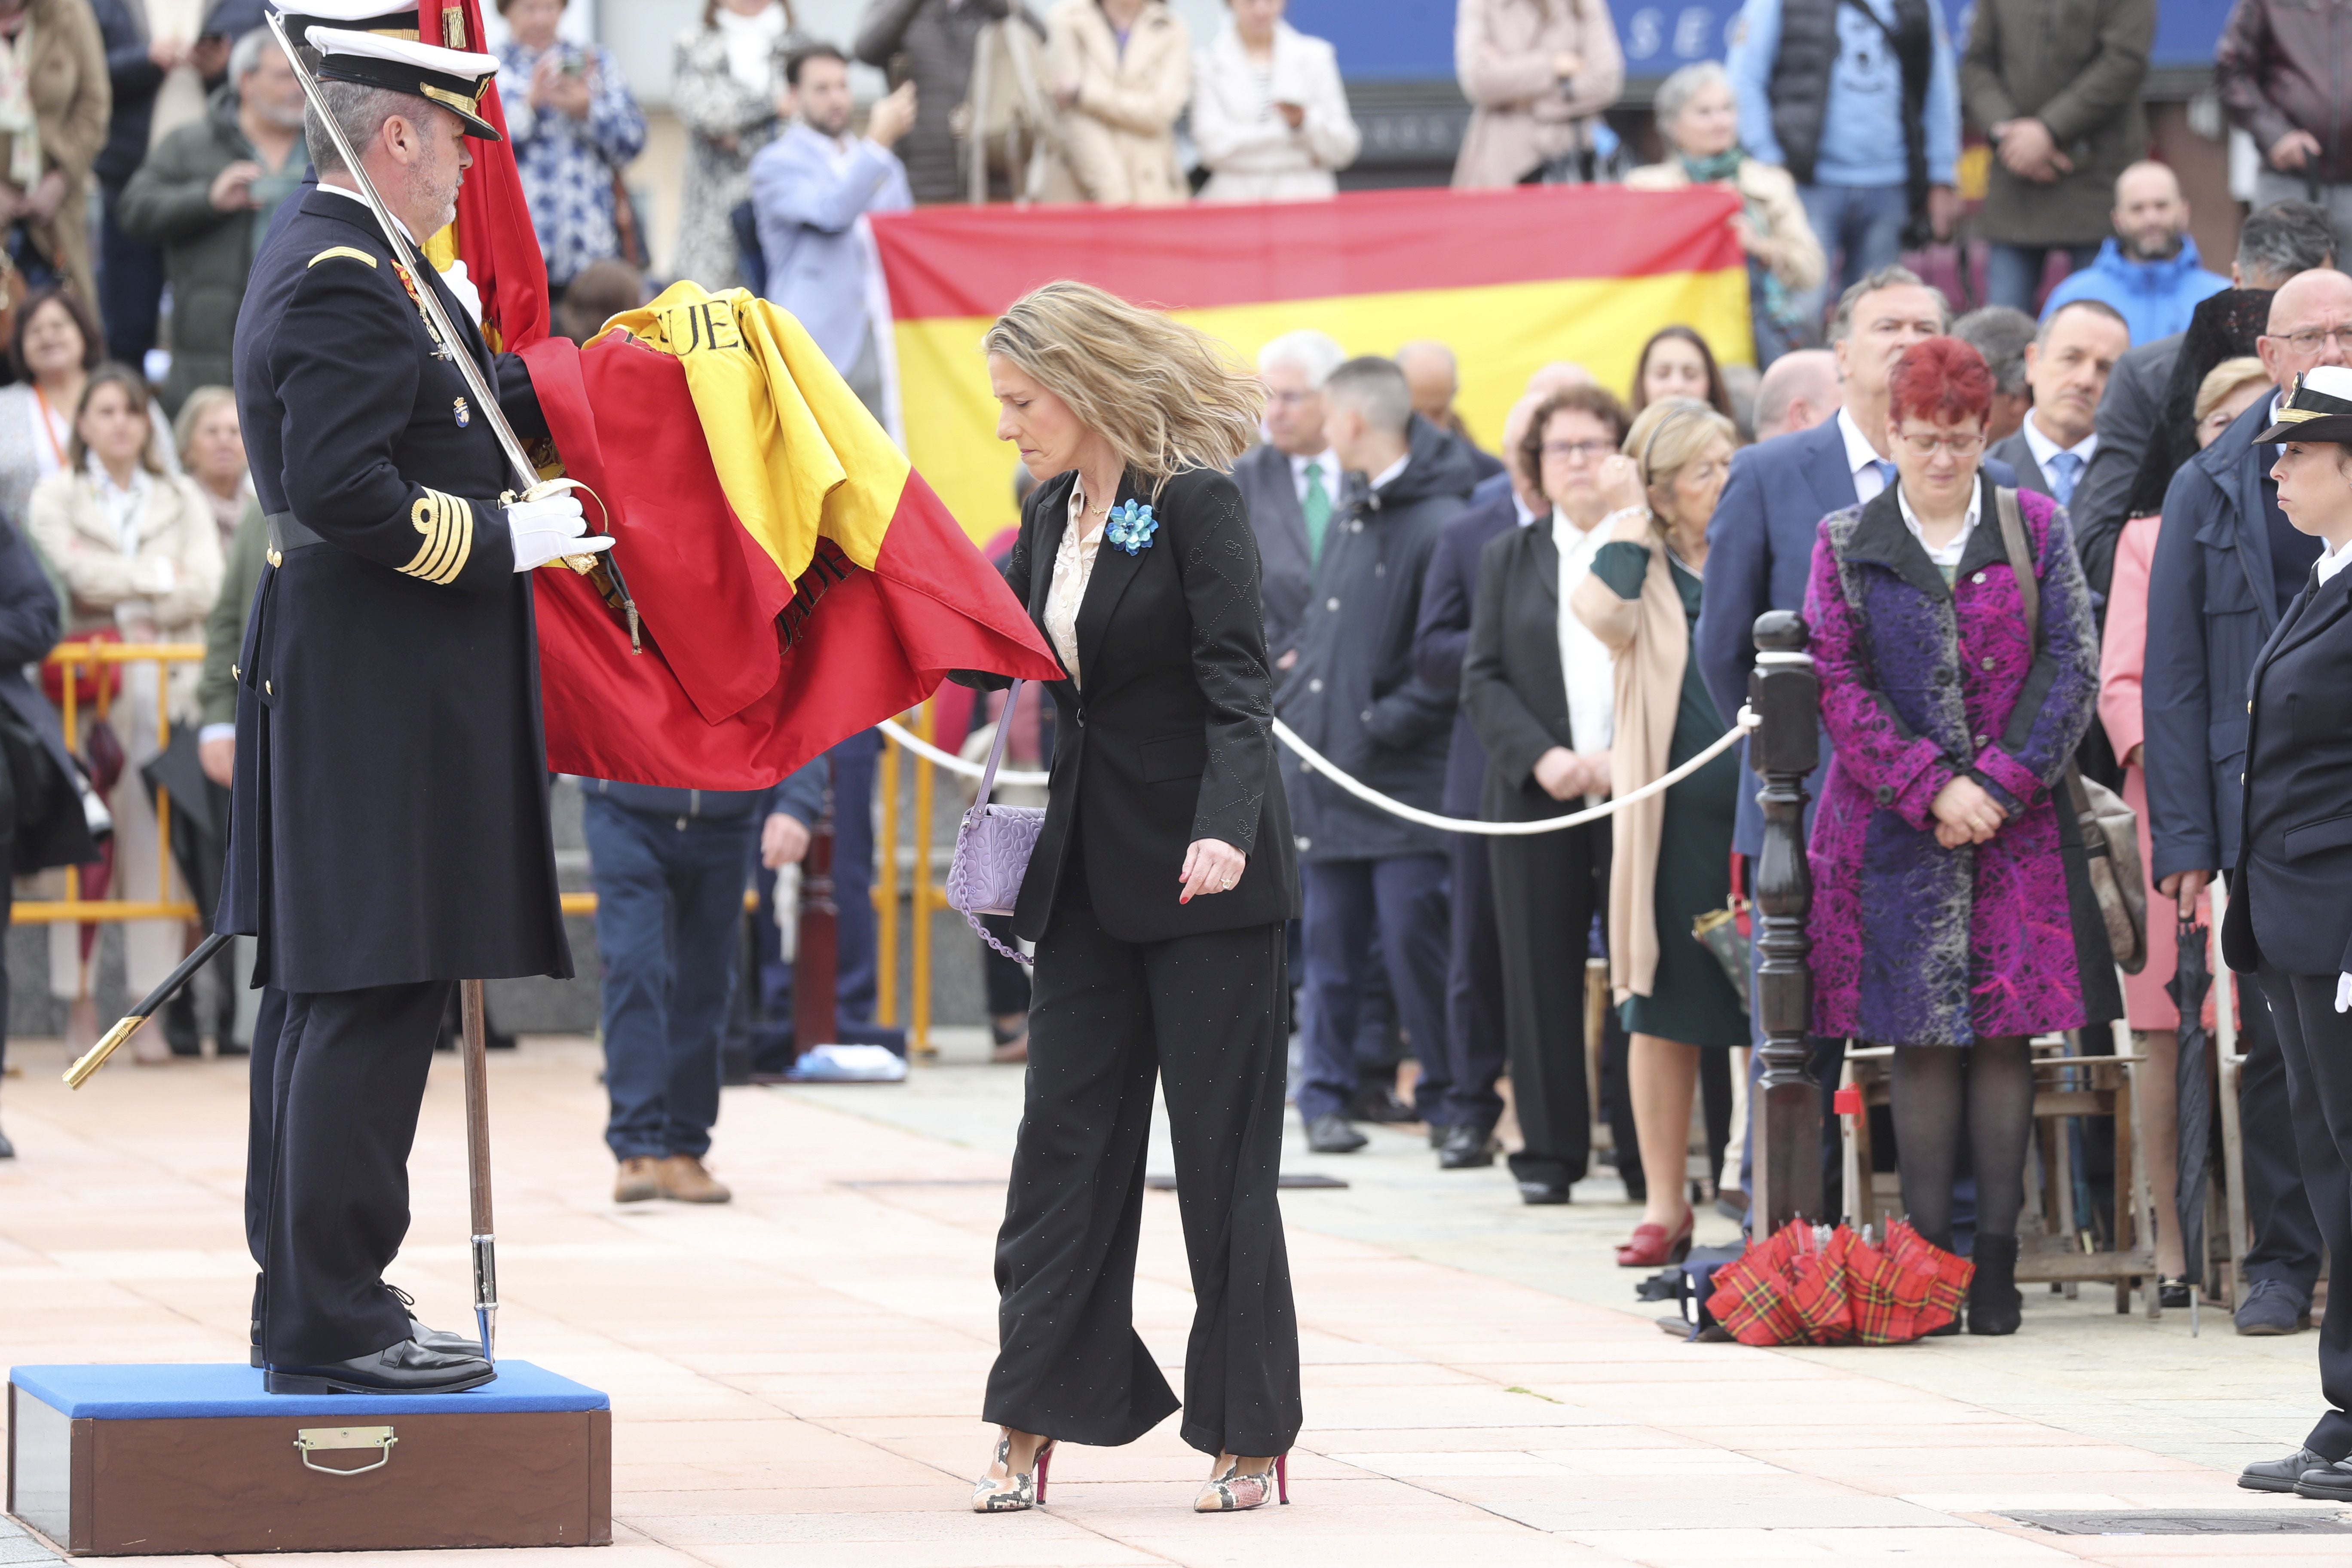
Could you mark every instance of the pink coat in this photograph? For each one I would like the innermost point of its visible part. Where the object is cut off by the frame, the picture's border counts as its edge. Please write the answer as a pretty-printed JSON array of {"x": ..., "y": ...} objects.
[{"x": 2123, "y": 657}]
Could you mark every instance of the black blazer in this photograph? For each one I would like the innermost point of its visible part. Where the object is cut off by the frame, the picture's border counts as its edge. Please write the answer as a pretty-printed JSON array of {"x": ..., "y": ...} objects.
[
  {"x": 1512, "y": 685},
  {"x": 2292, "y": 894},
  {"x": 1171, "y": 737}
]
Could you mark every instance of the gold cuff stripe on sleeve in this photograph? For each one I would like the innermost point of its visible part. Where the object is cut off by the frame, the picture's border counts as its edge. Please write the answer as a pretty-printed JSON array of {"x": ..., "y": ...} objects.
[
  {"x": 446, "y": 523},
  {"x": 334, "y": 250}
]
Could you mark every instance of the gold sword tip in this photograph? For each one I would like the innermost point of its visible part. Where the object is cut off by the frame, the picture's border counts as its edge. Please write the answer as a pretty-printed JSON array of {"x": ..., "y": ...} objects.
[{"x": 95, "y": 1058}]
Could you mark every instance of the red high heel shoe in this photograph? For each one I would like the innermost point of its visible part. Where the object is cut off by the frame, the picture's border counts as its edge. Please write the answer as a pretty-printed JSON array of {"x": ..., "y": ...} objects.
[
  {"x": 1236, "y": 1493},
  {"x": 1652, "y": 1248}
]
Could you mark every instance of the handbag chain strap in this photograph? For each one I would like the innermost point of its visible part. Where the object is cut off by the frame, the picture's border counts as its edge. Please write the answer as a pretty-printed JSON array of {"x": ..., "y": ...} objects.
[{"x": 996, "y": 748}]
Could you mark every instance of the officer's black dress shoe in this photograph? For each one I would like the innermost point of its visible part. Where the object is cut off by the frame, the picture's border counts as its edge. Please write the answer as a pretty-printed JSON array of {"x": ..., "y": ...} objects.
[
  {"x": 1467, "y": 1148},
  {"x": 1330, "y": 1135},
  {"x": 2328, "y": 1483},
  {"x": 2279, "y": 1475},
  {"x": 403, "y": 1368},
  {"x": 2273, "y": 1307},
  {"x": 439, "y": 1340},
  {"x": 1543, "y": 1192}
]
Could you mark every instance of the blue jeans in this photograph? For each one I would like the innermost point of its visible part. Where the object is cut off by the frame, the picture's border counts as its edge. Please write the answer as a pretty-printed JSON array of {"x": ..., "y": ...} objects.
[
  {"x": 2014, "y": 272},
  {"x": 668, "y": 902},
  {"x": 1860, "y": 225},
  {"x": 1405, "y": 896},
  {"x": 854, "y": 763}
]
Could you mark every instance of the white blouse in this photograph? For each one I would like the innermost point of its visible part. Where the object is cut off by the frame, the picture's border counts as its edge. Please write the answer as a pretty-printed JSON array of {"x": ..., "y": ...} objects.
[{"x": 1074, "y": 567}]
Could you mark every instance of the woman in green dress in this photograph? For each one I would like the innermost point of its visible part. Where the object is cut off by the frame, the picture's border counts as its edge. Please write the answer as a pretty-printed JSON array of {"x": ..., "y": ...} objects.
[{"x": 1671, "y": 860}]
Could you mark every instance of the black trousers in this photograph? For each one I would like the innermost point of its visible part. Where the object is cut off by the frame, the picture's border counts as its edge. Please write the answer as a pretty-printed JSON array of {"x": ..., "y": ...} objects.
[
  {"x": 2315, "y": 1042},
  {"x": 2284, "y": 1239},
  {"x": 1207, "y": 1014},
  {"x": 261, "y": 1116},
  {"x": 1474, "y": 990},
  {"x": 348, "y": 1078},
  {"x": 1544, "y": 892}
]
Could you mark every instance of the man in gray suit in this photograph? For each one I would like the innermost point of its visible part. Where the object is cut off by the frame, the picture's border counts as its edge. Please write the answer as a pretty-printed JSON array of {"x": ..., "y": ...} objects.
[
  {"x": 2066, "y": 365},
  {"x": 1291, "y": 482}
]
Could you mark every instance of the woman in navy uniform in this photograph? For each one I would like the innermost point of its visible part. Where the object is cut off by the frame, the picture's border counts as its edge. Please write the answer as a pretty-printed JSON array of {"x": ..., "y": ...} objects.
[
  {"x": 2290, "y": 919},
  {"x": 390, "y": 830}
]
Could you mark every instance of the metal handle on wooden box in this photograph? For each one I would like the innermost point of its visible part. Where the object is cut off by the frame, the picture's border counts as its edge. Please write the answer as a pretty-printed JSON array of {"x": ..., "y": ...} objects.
[{"x": 309, "y": 1440}]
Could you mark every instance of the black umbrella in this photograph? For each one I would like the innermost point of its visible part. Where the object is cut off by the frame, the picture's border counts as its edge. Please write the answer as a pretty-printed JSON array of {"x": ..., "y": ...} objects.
[{"x": 2192, "y": 976}]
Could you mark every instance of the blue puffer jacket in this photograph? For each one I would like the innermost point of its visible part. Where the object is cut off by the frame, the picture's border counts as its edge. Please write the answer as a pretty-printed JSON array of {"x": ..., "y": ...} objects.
[{"x": 2154, "y": 299}]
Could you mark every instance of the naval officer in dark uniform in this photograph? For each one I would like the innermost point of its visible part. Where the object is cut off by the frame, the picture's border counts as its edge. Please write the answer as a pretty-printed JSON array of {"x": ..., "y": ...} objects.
[
  {"x": 2290, "y": 919},
  {"x": 390, "y": 830}
]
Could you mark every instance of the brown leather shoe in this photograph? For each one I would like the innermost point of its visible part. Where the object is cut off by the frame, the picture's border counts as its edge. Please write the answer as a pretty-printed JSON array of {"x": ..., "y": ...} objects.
[
  {"x": 683, "y": 1180},
  {"x": 639, "y": 1181}
]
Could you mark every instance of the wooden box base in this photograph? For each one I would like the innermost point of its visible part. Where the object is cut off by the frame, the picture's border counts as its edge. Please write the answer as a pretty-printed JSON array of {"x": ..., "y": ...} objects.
[{"x": 148, "y": 1460}]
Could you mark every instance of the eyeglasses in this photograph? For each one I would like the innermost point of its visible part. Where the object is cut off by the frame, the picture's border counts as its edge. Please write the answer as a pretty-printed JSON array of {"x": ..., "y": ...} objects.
[
  {"x": 2311, "y": 340},
  {"x": 1958, "y": 446},
  {"x": 1578, "y": 451}
]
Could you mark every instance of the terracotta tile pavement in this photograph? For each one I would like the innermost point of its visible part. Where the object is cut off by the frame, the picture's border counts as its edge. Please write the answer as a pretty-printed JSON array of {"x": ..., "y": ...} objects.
[{"x": 794, "y": 1376}]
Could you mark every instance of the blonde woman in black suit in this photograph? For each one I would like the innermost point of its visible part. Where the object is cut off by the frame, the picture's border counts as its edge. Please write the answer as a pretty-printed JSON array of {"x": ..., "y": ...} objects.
[{"x": 1156, "y": 895}]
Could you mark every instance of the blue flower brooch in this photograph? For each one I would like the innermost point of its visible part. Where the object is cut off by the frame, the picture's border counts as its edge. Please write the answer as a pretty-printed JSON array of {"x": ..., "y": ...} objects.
[{"x": 1132, "y": 526}]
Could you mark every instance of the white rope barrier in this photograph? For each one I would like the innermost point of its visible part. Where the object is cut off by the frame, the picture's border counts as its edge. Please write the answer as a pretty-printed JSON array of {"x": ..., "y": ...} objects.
[
  {"x": 1313, "y": 761},
  {"x": 954, "y": 764}
]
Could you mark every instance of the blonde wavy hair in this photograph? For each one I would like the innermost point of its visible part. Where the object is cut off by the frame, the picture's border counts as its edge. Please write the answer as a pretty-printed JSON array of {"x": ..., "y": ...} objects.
[
  {"x": 1667, "y": 435},
  {"x": 1168, "y": 397}
]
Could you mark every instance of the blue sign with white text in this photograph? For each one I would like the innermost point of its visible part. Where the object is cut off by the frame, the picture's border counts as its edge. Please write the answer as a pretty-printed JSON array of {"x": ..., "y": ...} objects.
[{"x": 1412, "y": 40}]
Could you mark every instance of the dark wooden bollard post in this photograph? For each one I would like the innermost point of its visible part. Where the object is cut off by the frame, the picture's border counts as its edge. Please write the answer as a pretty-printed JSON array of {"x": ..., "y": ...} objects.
[
  {"x": 1787, "y": 1126},
  {"x": 816, "y": 947}
]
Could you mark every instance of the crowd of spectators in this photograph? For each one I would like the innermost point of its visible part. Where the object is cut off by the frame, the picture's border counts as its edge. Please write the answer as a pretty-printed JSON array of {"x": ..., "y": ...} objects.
[{"x": 1511, "y": 632}]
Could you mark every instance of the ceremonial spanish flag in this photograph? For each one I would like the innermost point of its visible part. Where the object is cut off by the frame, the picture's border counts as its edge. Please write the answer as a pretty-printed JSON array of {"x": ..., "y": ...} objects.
[
  {"x": 492, "y": 235},
  {"x": 798, "y": 580},
  {"x": 1509, "y": 279}
]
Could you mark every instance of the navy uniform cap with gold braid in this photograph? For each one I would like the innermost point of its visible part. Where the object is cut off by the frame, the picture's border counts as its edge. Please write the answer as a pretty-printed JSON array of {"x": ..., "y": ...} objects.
[
  {"x": 387, "y": 19},
  {"x": 2318, "y": 408},
  {"x": 453, "y": 79}
]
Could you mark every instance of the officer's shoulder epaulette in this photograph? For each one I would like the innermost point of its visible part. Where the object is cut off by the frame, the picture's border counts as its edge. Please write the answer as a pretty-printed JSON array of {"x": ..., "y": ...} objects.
[{"x": 334, "y": 250}]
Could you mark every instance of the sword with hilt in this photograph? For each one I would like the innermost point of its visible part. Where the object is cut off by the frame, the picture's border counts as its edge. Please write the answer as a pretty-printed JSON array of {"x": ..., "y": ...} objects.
[{"x": 530, "y": 486}]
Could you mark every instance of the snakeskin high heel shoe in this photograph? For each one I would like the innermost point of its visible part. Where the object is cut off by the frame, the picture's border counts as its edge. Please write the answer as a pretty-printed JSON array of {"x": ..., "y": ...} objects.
[
  {"x": 1234, "y": 1491},
  {"x": 1018, "y": 1490}
]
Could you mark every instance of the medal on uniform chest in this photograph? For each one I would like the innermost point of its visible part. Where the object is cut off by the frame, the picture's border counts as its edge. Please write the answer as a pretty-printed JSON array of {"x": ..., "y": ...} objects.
[
  {"x": 465, "y": 414},
  {"x": 440, "y": 349}
]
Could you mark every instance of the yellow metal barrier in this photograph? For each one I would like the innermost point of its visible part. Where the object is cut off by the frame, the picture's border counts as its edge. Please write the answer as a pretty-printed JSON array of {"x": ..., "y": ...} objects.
[
  {"x": 924, "y": 897},
  {"x": 95, "y": 657}
]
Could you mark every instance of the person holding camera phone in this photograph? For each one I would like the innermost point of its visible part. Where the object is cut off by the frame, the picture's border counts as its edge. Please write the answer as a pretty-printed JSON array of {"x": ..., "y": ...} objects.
[{"x": 574, "y": 127}]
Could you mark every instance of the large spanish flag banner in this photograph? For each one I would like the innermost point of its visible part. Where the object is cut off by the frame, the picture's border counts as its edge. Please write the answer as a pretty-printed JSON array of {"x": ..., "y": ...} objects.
[
  {"x": 797, "y": 579},
  {"x": 1508, "y": 278}
]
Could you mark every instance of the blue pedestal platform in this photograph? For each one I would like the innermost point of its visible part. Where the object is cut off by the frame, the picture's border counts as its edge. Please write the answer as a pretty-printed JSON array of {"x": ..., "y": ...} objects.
[{"x": 152, "y": 1459}]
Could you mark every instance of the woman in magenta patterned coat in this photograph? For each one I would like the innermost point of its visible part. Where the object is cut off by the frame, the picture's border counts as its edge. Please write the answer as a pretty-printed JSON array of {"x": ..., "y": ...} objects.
[{"x": 1949, "y": 893}]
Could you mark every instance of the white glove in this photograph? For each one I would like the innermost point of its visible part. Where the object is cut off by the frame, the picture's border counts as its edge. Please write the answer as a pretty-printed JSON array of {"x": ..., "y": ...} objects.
[
  {"x": 2343, "y": 993},
  {"x": 469, "y": 296},
  {"x": 154, "y": 575},
  {"x": 543, "y": 530}
]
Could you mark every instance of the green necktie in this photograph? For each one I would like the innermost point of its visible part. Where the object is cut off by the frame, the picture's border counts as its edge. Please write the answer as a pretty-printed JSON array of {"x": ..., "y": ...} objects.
[{"x": 1318, "y": 508}]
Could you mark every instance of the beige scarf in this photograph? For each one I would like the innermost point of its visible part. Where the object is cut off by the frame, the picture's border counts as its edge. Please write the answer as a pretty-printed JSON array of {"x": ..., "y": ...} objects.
[{"x": 21, "y": 130}]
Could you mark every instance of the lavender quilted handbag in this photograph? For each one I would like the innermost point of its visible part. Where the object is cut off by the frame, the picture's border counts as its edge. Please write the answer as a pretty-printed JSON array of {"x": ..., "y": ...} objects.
[{"x": 992, "y": 848}]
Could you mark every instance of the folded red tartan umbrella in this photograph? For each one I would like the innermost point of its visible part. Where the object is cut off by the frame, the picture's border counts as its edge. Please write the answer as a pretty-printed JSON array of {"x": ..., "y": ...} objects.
[{"x": 1798, "y": 1289}]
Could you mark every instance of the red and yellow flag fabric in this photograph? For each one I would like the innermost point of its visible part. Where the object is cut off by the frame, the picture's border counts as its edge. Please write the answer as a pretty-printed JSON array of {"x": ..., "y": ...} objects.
[
  {"x": 492, "y": 235},
  {"x": 1509, "y": 279},
  {"x": 798, "y": 580}
]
